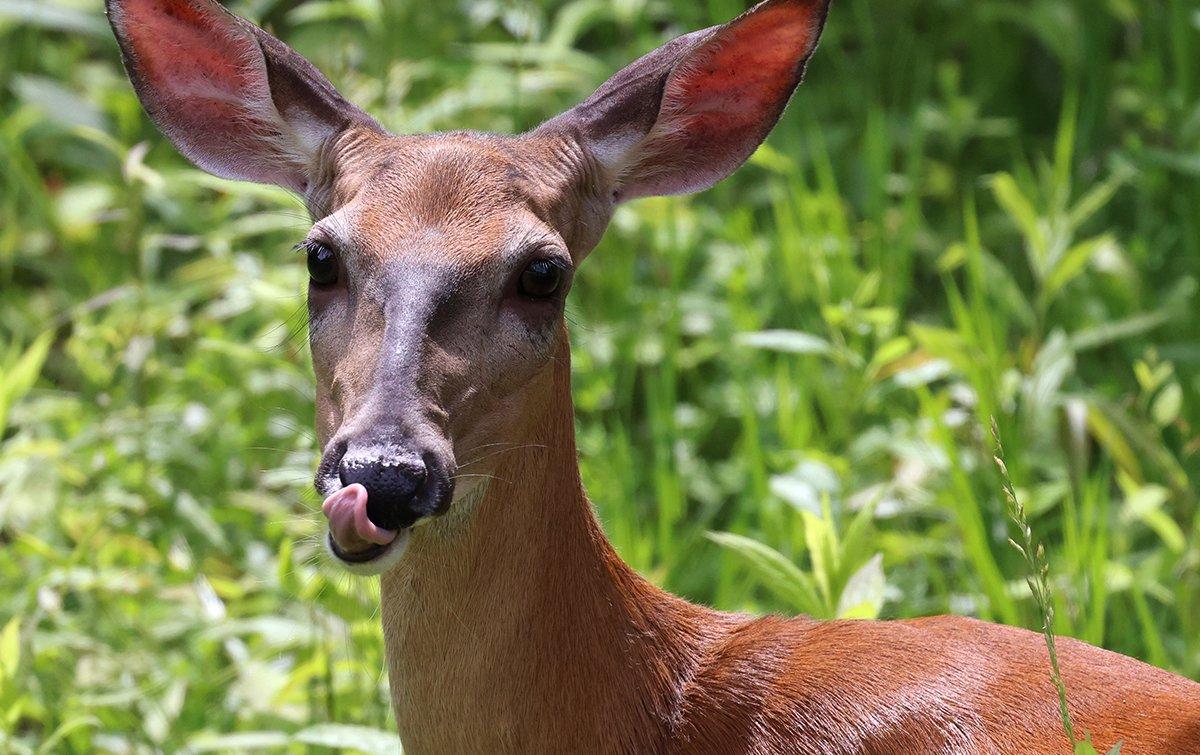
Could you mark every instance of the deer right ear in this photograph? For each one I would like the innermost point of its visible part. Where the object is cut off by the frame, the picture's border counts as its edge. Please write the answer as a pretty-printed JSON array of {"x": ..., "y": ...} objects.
[
  {"x": 689, "y": 113},
  {"x": 233, "y": 99}
]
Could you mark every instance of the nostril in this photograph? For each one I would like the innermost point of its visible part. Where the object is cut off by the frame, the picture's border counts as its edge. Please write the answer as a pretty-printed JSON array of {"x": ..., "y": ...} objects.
[{"x": 391, "y": 486}]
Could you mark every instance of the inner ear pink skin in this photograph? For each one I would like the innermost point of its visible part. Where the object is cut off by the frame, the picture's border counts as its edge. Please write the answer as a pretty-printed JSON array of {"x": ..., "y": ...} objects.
[
  {"x": 202, "y": 74},
  {"x": 721, "y": 99},
  {"x": 731, "y": 86},
  {"x": 183, "y": 49}
]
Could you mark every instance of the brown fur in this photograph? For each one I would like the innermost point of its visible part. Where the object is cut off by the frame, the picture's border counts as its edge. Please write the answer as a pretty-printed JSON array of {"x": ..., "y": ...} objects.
[{"x": 511, "y": 624}]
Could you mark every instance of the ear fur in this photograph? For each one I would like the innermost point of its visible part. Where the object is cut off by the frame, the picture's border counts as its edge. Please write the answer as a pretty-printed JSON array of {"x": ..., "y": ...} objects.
[
  {"x": 233, "y": 99},
  {"x": 686, "y": 115}
]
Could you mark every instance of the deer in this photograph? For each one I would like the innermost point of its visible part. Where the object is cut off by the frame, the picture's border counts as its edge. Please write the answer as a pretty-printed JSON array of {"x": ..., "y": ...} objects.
[{"x": 438, "y": 270}]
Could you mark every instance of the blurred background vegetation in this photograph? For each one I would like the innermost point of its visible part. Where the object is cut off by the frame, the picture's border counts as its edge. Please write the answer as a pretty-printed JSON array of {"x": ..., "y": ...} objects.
[{"x": 972, "y": 209}]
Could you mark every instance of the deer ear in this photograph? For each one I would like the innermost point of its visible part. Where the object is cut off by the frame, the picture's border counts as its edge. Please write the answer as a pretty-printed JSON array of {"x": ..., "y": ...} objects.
[
  {"x": 689, "y": 113},
  {"x": 233, "y": 99}
]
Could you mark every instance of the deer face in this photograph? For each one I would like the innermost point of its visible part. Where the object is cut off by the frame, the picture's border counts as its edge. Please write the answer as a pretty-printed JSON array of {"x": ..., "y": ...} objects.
[
  {"x": 430, "y": 326},
  {"x": 439, "y": 264}
]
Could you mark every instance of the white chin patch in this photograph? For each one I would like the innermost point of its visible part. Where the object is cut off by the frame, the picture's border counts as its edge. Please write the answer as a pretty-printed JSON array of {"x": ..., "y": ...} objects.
[
  {"x": 465, "y": 499},
  {"x": 378, "y": 565}
]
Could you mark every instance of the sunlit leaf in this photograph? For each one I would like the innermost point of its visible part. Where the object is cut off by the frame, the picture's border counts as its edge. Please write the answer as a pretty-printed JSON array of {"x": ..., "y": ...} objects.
[
  {"x": 10, "y": 649},
  {"x": 1168, "y": 404},
  {"x": 350, "y": 738},
  {"x": 1130, "y": 327},
  {"x": 49, "y": 14},
  {"x": 787, "y": 341},
  {"x": 862, "y": 597},
  {"x": 773, "y": 571},
  {"x": 1071, "y": 265},
  {"x": 243, "y": 741},
  {"x": 19, "y": 377}
]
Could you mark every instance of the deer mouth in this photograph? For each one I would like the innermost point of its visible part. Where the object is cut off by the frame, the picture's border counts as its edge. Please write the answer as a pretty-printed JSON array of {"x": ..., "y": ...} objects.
[{"x": 354, "y": 540}]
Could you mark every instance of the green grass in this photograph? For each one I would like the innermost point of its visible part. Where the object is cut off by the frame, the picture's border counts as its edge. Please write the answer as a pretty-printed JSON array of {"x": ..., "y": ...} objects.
[{"x": 784, "y": 385}]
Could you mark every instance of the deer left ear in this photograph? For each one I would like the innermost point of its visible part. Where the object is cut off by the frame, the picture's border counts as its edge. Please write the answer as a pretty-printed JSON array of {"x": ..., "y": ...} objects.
[
  {"x": 691, "y": 112},
  {"x": 233, "y": 99}
]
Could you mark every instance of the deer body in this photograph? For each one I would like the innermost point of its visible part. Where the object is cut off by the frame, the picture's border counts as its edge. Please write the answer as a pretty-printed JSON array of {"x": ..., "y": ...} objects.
[
  {"x": 439, "y": 266},
  {"x": 518, "y": 629}
]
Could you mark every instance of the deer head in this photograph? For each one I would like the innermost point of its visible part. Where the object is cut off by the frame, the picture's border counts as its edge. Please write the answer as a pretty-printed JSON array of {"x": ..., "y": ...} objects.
[{"x": 439, "y": 264}]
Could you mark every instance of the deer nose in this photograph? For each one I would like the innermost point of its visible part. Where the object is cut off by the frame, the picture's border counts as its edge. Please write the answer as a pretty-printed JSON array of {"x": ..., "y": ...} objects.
[{"x": 392, "y": 481}]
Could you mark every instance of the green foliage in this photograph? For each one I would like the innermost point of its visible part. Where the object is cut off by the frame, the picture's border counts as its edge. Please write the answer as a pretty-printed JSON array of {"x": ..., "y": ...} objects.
[
  {"x": 846, "y": 580},
  {"x": 971, "y": 210},
  {"x": 1037, "y": 576}
]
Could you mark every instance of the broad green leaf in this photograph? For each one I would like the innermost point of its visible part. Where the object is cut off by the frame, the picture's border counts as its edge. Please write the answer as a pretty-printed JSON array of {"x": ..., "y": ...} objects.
[
  {"x": 366, "y": 11},
  {"x": 51, "y": 15},
  {"x": 1113, "y": 441},
  {"x": 1054, "y": 362},
  {"x": 774, "y": 571},
  {"x": 1167, "y": 405},
  {"x": 1117, "y": 330},
  {"x": 1001, "y": 283},
  {"x": 888, "y": 352},
  {"x": 243, "y": 741},
  {"x": 51, "y": 743},
  {"x": 857, "y": 539},
  {"x": 18, "y": 378},
  {"x": 1145, "y": 504},
  {"x": 353, "y": 738},
  {"x": 1167, "y": 529},
  {"x": 1094, "y": 200},
  {"x": 1021, "y": 211},
  {"x": 787, "y": 341},
  {"x": 1071, "y": 265},
  {"x": 61, "y": 104},
  {"x": 862, "y": 597},
  {"x": 805, "y": 484},
  {"x": 818, "y": 534},
  {"x": 10, "y": 648}
]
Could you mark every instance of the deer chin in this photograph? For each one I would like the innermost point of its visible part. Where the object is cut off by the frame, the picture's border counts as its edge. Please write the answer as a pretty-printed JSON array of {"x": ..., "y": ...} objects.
[
  {"x": 375, "y": 560},
  {"x": 362, "y": 547}
]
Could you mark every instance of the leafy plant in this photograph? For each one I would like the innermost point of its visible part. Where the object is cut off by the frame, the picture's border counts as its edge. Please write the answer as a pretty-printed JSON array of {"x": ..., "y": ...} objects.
[{"x": 844, "y": 580}]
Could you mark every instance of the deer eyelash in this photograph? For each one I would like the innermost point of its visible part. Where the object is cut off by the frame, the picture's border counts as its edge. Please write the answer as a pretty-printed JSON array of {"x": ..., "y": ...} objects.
[{"x": 310, "y": 245}]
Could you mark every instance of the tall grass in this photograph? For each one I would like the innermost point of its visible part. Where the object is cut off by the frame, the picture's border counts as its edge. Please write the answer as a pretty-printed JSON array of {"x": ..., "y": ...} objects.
[
  {"x": 784, "y": 385},
  {"x": 1037, "y": 576}
]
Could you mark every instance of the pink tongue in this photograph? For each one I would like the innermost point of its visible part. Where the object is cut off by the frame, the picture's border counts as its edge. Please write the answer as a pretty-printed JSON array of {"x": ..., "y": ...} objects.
[{"x": 348, "y": 522}]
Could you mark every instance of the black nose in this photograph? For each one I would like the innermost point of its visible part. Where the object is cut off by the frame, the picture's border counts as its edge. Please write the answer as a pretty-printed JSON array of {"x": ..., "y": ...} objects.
[{"x": 392, "y": 484}]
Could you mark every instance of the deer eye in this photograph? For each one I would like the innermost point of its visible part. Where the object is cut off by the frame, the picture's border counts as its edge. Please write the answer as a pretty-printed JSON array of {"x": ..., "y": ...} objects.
[
  {"x": 322, "y": 264},
  {"x": 540, "y": 280}
]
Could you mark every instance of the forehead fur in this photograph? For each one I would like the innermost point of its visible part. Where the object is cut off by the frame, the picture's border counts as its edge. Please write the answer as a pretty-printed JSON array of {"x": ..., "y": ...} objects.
[{"x": 471, "y": 189}]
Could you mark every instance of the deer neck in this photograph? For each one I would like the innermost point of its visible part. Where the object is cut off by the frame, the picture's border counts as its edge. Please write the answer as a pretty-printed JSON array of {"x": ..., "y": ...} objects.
[{"x": 516, "y": 625}]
